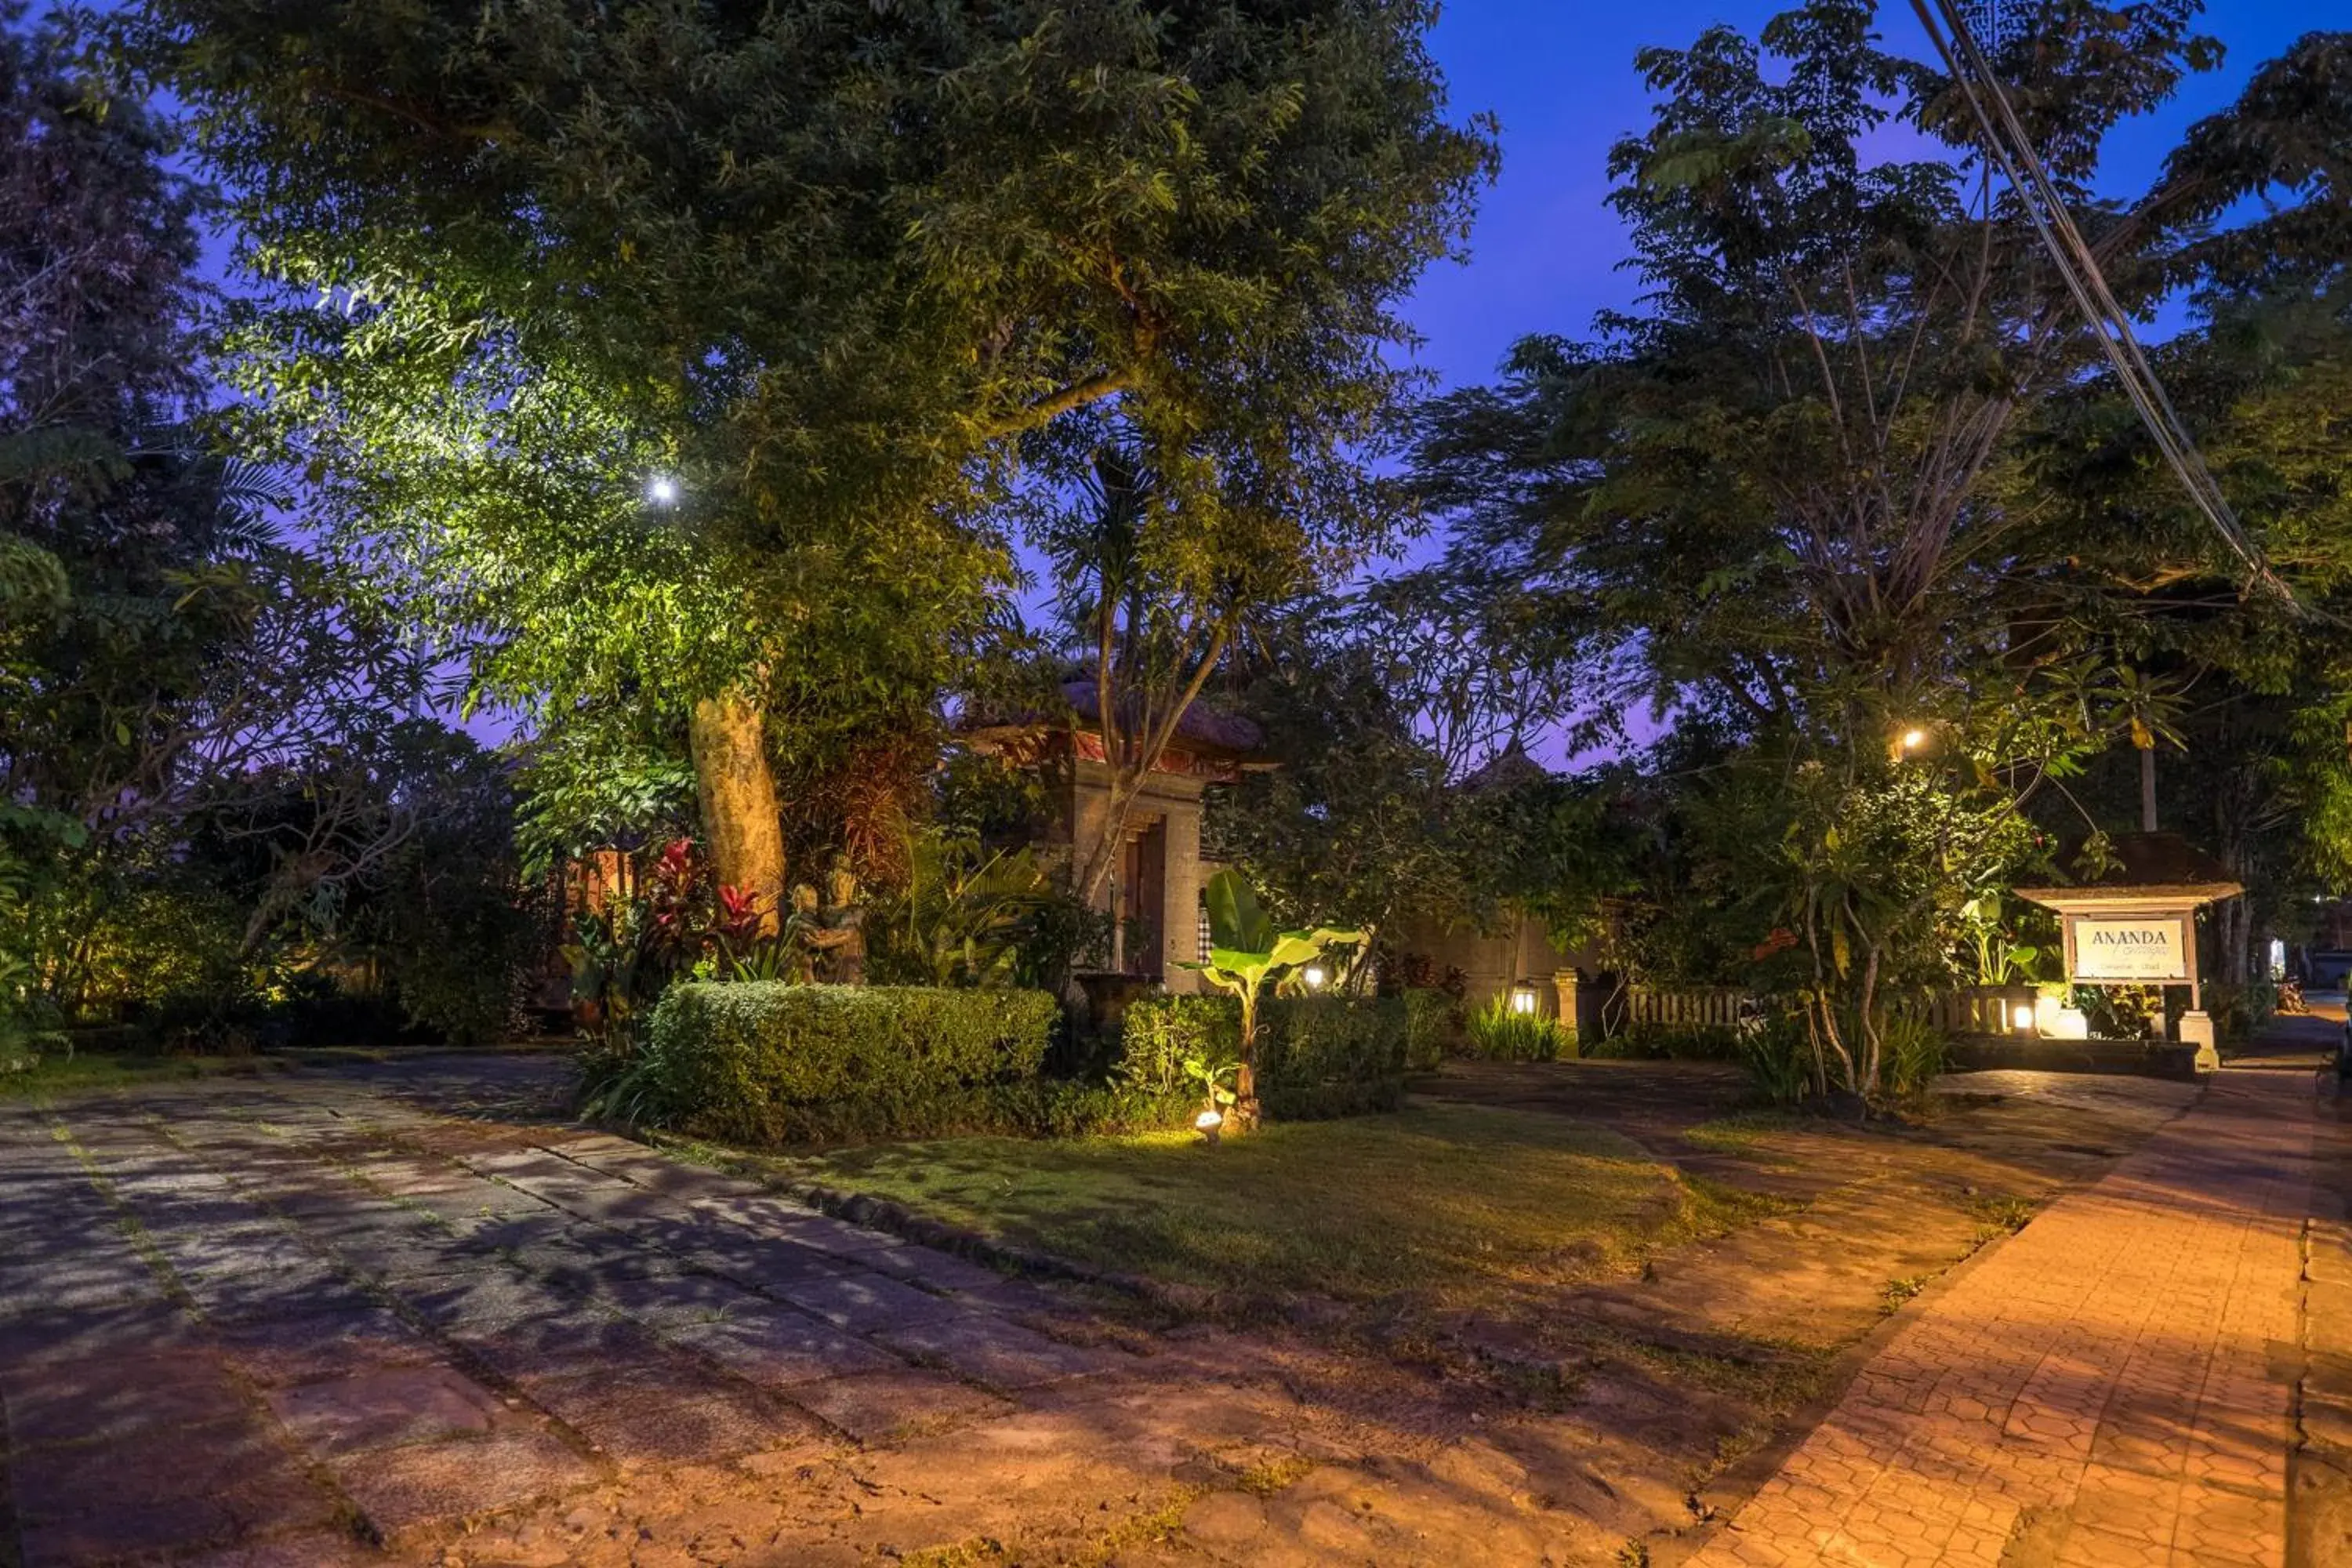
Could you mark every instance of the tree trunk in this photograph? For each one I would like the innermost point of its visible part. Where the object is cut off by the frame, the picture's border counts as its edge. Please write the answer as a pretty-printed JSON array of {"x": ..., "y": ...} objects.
[{"x": 739, "y": 819}]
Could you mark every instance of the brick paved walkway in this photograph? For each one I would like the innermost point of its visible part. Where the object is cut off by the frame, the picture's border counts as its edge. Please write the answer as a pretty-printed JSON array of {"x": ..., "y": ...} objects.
[{"x": 2110, "y": 1387}]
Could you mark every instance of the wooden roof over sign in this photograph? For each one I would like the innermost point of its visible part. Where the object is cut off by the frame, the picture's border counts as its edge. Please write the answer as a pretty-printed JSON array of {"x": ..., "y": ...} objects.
[{"x": 2152, "y": 871}]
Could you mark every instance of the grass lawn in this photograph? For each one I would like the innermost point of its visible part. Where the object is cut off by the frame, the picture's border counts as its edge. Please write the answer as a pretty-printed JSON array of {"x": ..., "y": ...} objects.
[
  {"x": 62, "y": 1074},
  {"x": 1457, "y": 1203}
]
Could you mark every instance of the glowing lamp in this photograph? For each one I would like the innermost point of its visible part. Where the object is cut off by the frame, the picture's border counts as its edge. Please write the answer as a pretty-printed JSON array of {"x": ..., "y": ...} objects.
[
  {"x": 662, "y": 490},
  {"x": 1314, "y": 977},
  {"x": 1209, "y": 1123},
  {"x": 1914, "y": 738},
  {"x": 2022, "y": 1016},
  {"x": 1523, "y": 999}
]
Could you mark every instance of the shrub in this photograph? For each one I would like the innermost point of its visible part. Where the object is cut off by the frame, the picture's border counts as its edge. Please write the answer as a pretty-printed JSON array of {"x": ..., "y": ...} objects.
[
  {"x": 1499, "y": 1035},
  {"x": 1159, "y": 1034},
  {"x": 1777, "y": 1055},
  {"x": 1319, "y": 1057},
  {"x": 1434, "y": 1027},
  {"x": 1913, "y": 1053},
  {"x": 752, "y": 1062}
]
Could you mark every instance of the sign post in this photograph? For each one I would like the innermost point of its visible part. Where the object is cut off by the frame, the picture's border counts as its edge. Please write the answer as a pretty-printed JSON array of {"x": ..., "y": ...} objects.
[{"x": 2136, "y": 925}]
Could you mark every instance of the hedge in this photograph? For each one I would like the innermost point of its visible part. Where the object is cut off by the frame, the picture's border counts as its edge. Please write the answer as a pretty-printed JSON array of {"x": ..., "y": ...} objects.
[
  {"x": 773, "y": 1063},
  {"x": 1316, "y": 1055}
]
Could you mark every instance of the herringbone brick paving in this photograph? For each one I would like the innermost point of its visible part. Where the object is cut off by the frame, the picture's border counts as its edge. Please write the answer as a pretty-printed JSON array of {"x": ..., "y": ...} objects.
[{"x": 2111, "y": 1387}]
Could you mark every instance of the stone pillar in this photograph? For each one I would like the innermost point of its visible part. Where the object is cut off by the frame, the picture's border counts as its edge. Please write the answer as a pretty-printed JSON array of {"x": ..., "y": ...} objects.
[
  {"x": 1564, "y": 980},
  {"x": 2197, "y": 1029},
  {"x": 1179, "y": 913}
]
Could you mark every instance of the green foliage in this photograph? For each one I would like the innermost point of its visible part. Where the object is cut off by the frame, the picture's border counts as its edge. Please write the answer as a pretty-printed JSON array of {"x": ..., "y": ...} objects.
[
  {"x": 1500, "y": 1035},
  {"x": 1318, "y": 1056},
  {"x": 1247, "y": 953},
  {"x": 971, "y": 916},
  {"x": 1215, "y": 1080},
  {"x": 1333, "y": 1056},
  {"x": 1916, "y": 1053},
  {"x": 1850, "y": 383},
  {"x": 1434, "y": 1028},
  {"x": 1779, "y": 1058},
  {"x": 1157, "y": 1035},
  {"x": 741, "y": 1061},
  {"x": 1395, "y": 714},
  {"x": 844, "y": 271}
]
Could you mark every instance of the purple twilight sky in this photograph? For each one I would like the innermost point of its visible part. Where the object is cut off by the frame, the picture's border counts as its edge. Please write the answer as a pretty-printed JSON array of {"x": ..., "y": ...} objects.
[
  {"x": 1547, "y": 251},
  {"x": 1559, "y": 74}
]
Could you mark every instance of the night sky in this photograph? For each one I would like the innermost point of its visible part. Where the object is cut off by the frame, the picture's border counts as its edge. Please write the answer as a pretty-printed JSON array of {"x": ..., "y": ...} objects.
[{"x": 1559, "y": 74}]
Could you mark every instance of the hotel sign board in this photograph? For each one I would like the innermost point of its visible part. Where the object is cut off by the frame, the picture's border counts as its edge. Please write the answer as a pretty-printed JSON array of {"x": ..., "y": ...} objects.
[{"x": 2123, "y": 949}]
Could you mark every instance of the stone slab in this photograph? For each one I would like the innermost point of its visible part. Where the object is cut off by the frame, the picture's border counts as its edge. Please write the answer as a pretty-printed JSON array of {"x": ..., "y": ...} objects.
[
  {"x": 401, "y": 1490},
  {"x": 113, "y": 1397},
  {"x": 778, "y": 1347},
  {"x": 990, "y": 1349},
  {"x": 388, "y": 1406},
  {"x": 878, "y": 1406},
  {"x": 313, "y": 1346},
  {"x": 669, "y": 1413}
]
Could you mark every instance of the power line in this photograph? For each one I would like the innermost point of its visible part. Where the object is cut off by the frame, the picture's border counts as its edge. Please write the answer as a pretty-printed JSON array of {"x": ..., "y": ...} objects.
[{"x": 2006, "y": 137}]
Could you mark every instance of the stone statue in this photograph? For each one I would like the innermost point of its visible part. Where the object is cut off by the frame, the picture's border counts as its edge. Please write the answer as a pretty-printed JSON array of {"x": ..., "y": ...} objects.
[
  {"x": 800, "y": 926},
  {"x": 836, "y": 934}
]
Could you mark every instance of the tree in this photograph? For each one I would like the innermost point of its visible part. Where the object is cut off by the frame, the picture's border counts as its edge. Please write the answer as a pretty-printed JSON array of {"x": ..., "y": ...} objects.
[
  {"x": 1378, "y": 707},
  {"x": 2260, "y": 771},
  {"x": 825, "y": 263},
  {"x": 1796, "y": 496},
  {"x": 173, "y": 674}
]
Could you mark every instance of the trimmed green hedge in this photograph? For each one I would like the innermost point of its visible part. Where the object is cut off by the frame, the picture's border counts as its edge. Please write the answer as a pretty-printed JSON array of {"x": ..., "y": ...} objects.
[
  {"x": 1317, "y": 1056},
  {"x": 771, "y": 1063}
]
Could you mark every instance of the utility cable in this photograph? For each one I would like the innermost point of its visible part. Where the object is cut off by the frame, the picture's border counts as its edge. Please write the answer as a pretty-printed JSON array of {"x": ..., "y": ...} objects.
[{"x": 2010, "y": 147}]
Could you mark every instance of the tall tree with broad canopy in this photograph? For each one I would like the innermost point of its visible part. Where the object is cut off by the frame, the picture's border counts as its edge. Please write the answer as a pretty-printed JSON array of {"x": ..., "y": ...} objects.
[
  {"x": 668, "y": 350},
  {"x": 1794, "y": 495},
  {"x": 168, "y": 665}
]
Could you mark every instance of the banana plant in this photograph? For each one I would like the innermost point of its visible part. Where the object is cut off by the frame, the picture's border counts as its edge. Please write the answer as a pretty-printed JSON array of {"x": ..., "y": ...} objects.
[{"x": 1246, "y": 955}]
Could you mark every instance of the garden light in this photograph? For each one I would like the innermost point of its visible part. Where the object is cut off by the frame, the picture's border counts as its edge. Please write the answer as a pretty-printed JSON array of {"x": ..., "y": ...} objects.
[
  {"x": 1523, "y": 999},
  {"x": 2022, "y": 1016},
  {"x": 662, "y": 490},
  {"x": 1209, "y": 1123},
  {"x": 1315, "y": 977},
  {"x": 1914, "y": 738}
]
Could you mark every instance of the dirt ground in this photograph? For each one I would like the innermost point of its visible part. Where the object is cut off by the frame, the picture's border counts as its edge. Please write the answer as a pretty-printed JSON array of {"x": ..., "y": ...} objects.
[{"x": 464, "y": 1332}]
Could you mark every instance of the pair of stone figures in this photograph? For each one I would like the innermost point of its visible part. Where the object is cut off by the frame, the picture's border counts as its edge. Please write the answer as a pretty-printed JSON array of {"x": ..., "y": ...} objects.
[{"x": 826, "y": 933}]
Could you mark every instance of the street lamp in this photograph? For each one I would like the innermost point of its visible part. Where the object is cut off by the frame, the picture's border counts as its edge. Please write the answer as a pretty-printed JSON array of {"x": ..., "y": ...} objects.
[{"x": 1523, "y": 998}]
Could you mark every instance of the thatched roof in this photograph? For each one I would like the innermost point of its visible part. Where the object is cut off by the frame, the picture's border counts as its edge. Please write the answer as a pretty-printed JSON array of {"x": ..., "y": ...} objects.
[{"x": 1202, "y": 728}]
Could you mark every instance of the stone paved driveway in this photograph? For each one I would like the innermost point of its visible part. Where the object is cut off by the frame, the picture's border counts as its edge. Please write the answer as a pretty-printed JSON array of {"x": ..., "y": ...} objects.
[
  {"x": 2112, "y": 1386},
  {"x": 320, "y": 1319}
]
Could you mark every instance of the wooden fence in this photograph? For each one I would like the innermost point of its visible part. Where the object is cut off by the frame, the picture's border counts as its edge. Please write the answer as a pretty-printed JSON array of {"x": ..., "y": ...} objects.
[
  {"x": 1978, "y": 1010},
  {"x": 1981, "y": 1010},
  {"x": 1685, "y": 1008}
]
